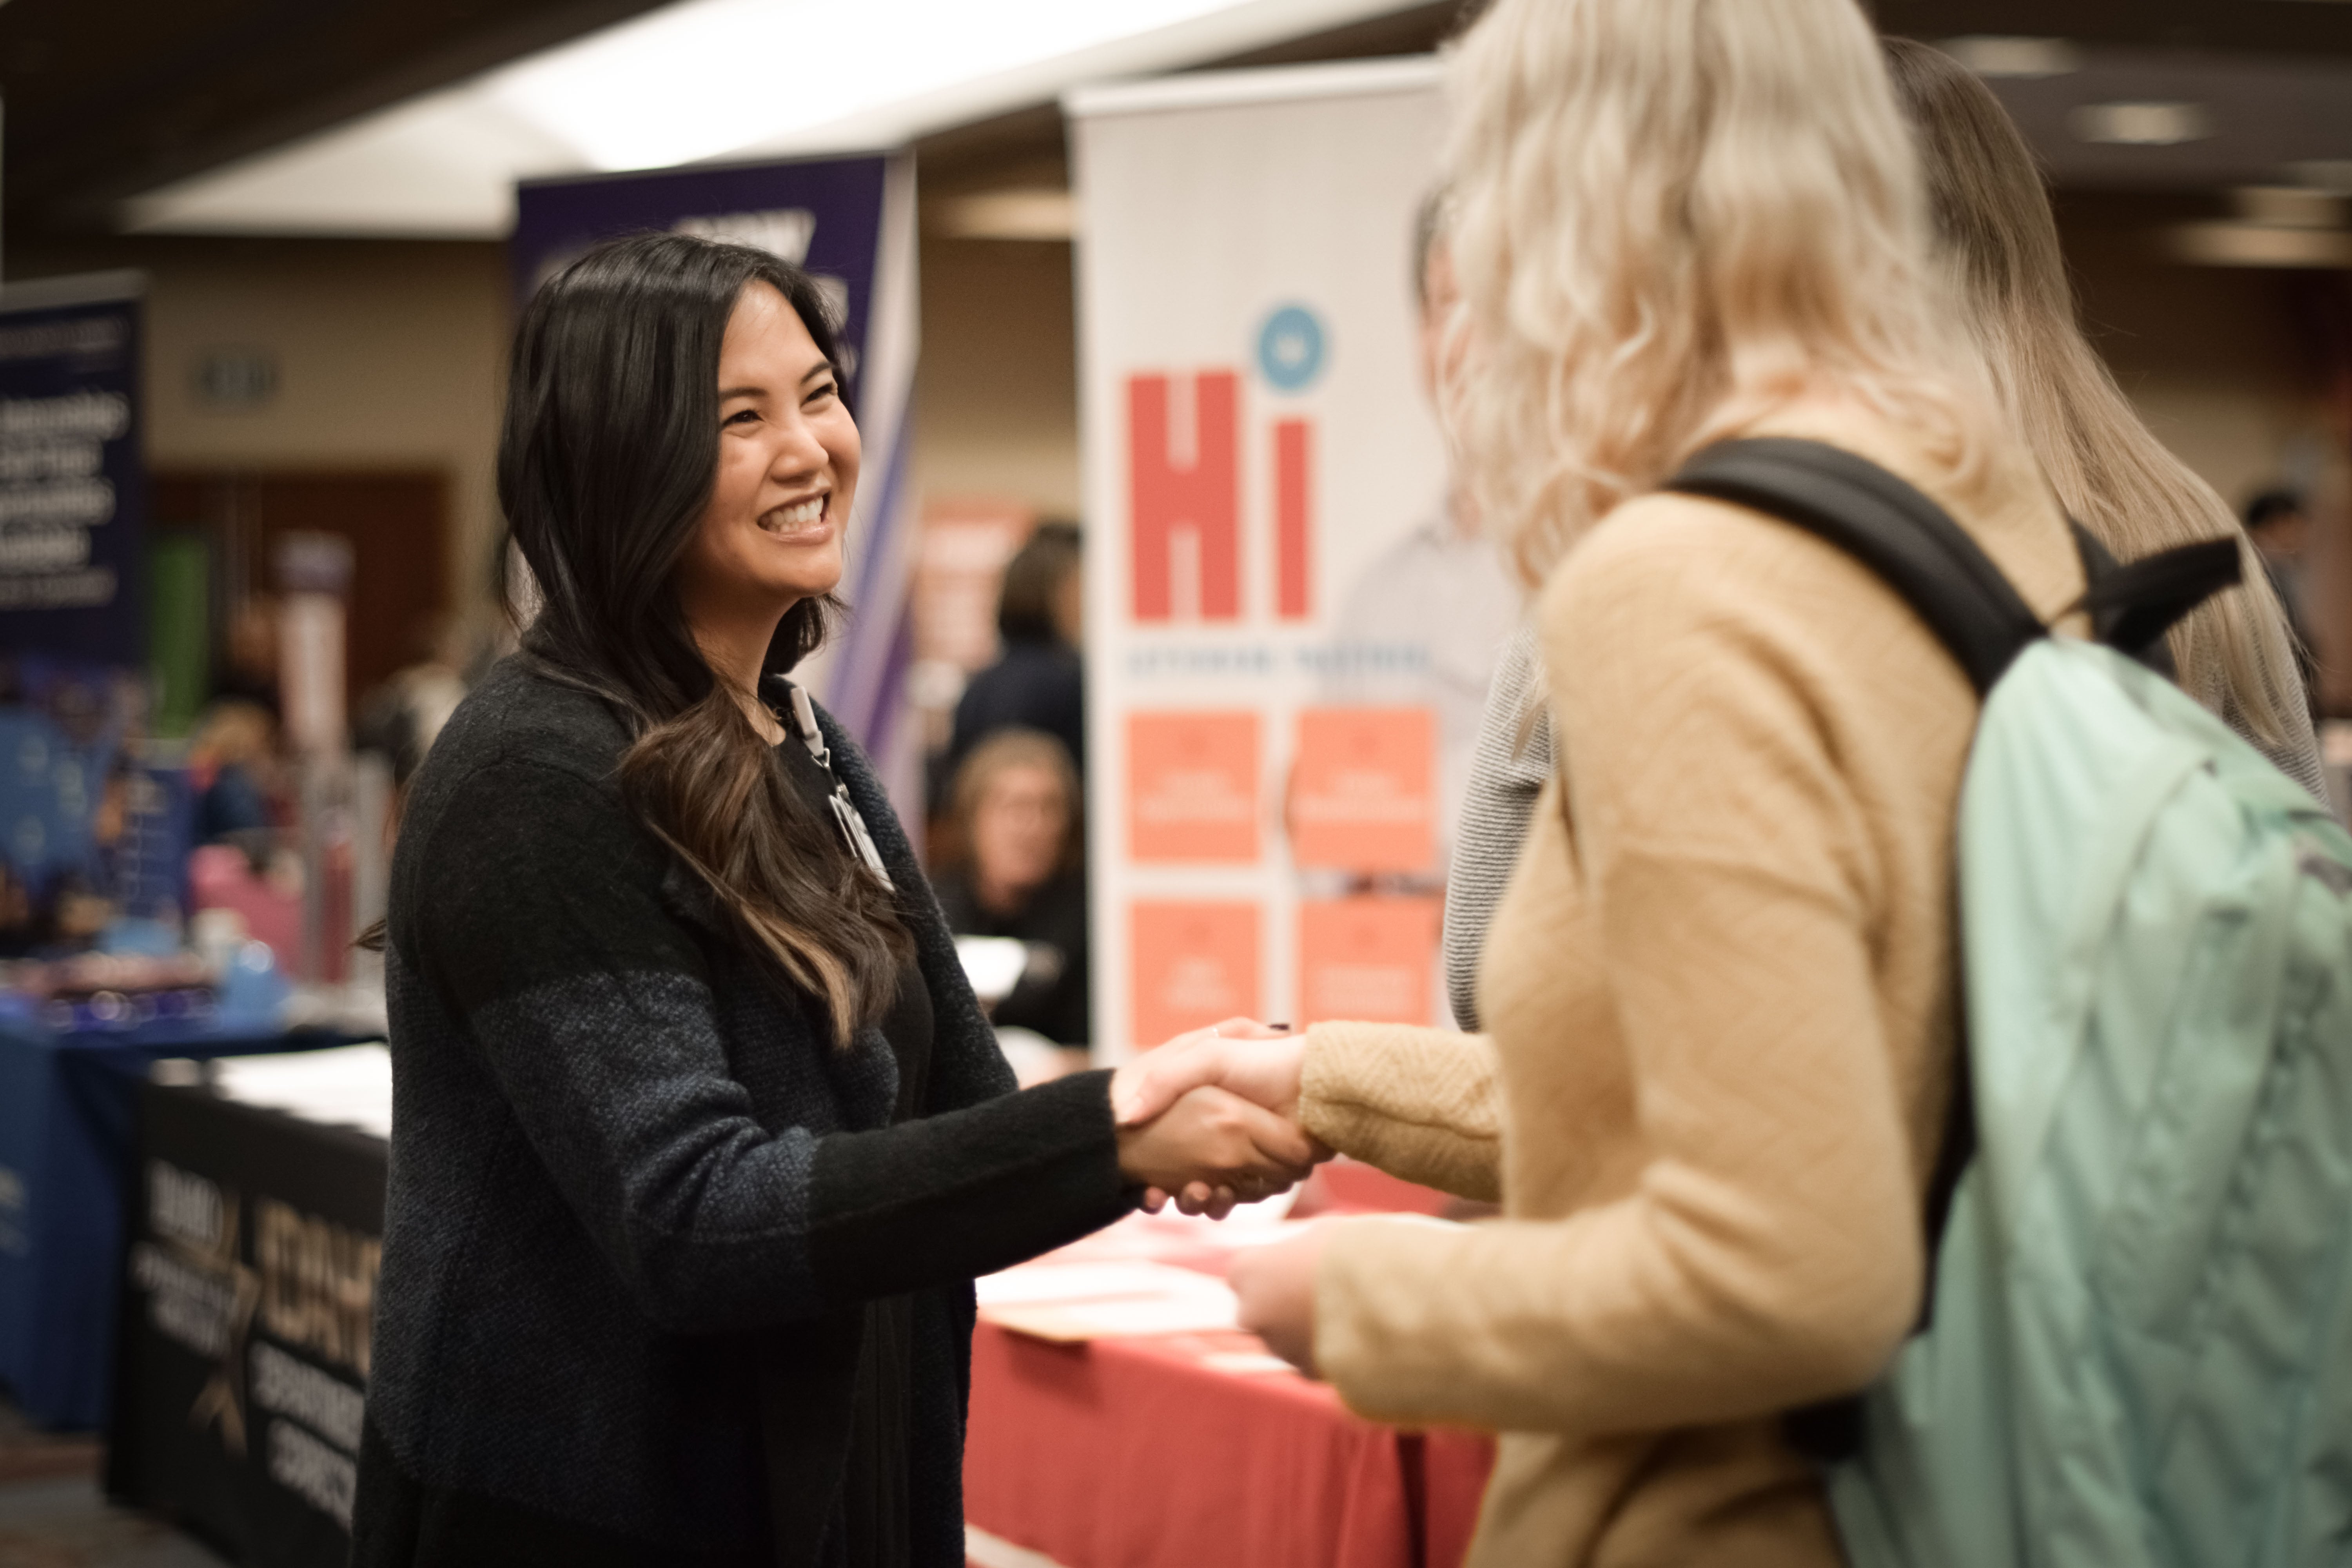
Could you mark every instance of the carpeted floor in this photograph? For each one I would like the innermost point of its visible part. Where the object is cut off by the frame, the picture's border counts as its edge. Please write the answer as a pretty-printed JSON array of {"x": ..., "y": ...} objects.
[{"x": 52, "y": 1515}]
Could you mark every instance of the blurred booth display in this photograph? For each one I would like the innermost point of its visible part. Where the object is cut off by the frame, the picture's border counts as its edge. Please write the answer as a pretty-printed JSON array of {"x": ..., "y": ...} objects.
[
  {"x": 72, "y": 481},
  {"x": 94, "y": 823},
  {"x": 1364, "y": 789},
  {"x": 1193, "y": 962},
  {"x": 247, "y": 1298},
  {"x": 851, "y": 223},
  {"x": 77, "y": 798},
  {"x": 1367, "y": 958},
  {"x": 1193, "y": 788},
  {"x": 959, "y": 572},
  {"x": 314, "y": 578},
  {"x": 179, "y": 630},
  {"x": 1292, "y": 614},
  {"x": 77, "y": 1039}
]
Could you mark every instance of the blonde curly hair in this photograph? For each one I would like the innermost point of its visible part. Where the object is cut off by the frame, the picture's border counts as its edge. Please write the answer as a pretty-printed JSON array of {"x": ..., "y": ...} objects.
[{"x": 1671, "y": 218}]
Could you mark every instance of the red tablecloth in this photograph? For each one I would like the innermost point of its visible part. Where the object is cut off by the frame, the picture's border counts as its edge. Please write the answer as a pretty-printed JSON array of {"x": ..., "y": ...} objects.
[{"x": 1189, "y": 1451}]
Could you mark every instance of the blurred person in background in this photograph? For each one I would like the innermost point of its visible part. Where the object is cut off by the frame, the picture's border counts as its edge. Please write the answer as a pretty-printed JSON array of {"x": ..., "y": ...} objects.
[
  {"x": 234, "y": 769},
  {"x": 402, "y": 716},
  {"x": 248, "y": 666},
  {"x": 1721, "y": 994},
  {"x": 1441, "y": 597},
  {"x": 1021, "y": 873},
  {"x": 1997, "y": 238},
  {"x": 1038, "y": 682},
  {"x": 2281, "y": 527},
  {"x": 702, "y": 1136}
]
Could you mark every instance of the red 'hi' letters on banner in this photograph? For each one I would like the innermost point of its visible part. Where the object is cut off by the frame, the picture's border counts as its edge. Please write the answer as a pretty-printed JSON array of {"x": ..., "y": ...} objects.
[
  {"x": 1363, "y": 797},
  {"x": 1191, "y": 491},
  {"x": 1367, "y": 958},
  {"x": 1192, "y": 787},
  {"x": 1192, "y": 965}
]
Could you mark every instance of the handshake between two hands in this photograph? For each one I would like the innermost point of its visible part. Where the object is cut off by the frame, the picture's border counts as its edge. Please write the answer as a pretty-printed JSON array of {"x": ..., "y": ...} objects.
[{"x": 1209, "y": 1120}]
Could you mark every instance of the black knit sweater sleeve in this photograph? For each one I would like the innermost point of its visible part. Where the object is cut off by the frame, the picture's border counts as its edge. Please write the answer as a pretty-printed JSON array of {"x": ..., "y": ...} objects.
[{"x": 542, "y": 917}]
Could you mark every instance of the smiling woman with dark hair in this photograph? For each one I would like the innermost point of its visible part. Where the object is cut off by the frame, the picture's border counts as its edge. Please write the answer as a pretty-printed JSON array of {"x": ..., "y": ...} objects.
[{"x": 699, "y": 1137}]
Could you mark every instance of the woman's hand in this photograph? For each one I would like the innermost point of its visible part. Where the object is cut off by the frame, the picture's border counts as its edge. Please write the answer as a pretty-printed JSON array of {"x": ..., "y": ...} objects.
[
  {"x": 1276, "y": 1287},
  {"x": 1260, "y": 1062},
  {"x": 1215, "y": 1149}
]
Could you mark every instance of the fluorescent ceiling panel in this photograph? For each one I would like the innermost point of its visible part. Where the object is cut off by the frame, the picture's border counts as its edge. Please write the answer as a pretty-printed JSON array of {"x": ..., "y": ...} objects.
[{"x": 704, "y": 79}]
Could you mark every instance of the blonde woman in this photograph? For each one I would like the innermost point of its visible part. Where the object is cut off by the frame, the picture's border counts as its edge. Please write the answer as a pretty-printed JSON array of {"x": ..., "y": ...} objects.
[
  {"x": 1999, "y": 242},
  {"x": 1721, "y": 989}
]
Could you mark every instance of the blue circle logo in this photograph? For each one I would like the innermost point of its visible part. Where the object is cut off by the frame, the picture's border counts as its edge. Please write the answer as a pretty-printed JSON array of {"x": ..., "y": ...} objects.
[{"x": 1290, "y": 348}]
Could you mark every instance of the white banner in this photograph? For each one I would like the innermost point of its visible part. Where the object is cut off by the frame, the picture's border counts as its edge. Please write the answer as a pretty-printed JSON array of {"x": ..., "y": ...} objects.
[{"x": 1290, "y": 627}]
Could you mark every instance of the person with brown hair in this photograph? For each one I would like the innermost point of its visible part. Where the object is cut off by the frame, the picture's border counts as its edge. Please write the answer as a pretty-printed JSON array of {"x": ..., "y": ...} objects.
[
  {"x": 698, "y": 1134},
  {"x": 1038, "y": 682},
  {"x": 1997, "y": 240},
  {"x": 1019, "y": 870}
]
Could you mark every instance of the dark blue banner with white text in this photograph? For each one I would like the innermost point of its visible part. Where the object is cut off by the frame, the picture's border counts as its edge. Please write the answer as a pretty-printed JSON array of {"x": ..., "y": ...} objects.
[{"x": 73, "y": 492}]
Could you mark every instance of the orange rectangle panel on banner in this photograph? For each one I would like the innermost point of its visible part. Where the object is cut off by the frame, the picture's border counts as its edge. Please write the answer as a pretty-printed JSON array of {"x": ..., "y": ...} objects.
[
  {"x": 1192, "y": 787},
  {"x": 1190, "y": 965},
  {"x": 1367, "y": 958},
  {"x": 1363, "y": 791}
]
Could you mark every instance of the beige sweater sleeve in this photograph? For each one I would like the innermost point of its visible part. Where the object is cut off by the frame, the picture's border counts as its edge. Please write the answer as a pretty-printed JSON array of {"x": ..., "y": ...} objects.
[
  {"x": 1420, "y": 1103},
  {"x": 1768, "y": 1253}
]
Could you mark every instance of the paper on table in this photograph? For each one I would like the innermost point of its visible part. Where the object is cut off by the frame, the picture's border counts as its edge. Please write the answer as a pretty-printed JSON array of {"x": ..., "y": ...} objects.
[
  {"x": 346, "y": 1085},
  {"x": 1132, "y": 1317},
  {"x": 1039, "y": 1283}
]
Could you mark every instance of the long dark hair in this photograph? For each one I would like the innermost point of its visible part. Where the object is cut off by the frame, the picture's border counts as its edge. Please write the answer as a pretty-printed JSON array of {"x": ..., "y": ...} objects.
[{"x": 606, "y": 458}]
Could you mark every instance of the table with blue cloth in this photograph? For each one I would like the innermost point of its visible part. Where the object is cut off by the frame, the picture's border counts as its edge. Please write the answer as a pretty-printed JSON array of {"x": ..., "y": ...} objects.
[{"x": 68, "y": 1108}]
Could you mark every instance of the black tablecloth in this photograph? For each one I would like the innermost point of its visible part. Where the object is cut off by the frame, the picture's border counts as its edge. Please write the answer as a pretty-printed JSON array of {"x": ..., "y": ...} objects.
[{"x": 248, "y": 1288}]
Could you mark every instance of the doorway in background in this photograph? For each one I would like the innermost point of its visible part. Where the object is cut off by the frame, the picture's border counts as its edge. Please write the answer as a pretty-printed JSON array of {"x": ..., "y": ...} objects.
[{"x": 396, "y": 522}]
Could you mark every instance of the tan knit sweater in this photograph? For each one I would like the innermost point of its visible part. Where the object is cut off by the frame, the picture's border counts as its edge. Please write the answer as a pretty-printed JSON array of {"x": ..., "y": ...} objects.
[{"x": 1722, "y": 1015}]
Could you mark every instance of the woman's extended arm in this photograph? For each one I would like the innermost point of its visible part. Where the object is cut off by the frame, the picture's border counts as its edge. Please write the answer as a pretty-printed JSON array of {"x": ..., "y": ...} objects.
[
  {"x": 1769, "y": 1251},
  {"x": 590, "y": 1005},
  {"x": 1420, "y": 1103}
]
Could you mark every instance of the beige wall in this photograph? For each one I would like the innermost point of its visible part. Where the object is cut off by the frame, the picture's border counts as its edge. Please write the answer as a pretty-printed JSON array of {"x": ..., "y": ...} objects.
[
  {"x": 389, "y": 356},
  {"x": 2208, "y": 354},
  {"x": 996, "y": 397},
  {"x": 2220, "y": 362}
]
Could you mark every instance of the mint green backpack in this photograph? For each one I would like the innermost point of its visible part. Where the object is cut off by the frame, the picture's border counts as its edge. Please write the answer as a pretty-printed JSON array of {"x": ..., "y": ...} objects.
[{"x": 2137, "y": 1348}]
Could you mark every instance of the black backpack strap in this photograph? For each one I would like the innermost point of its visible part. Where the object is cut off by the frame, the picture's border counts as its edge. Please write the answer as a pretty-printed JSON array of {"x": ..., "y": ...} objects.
[
  {"x": 1917, "y": 549},
  {"x": 1925, "y": 557},
  {"x": 2132, "y": 606},
  {"x": 1888, "y": 526}
]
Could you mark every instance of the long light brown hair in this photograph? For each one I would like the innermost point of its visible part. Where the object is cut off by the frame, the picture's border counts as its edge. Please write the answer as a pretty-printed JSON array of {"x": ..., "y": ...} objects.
[
  {"x": 1999, "y": 241},
  {"x": 1670, "y": 219}
]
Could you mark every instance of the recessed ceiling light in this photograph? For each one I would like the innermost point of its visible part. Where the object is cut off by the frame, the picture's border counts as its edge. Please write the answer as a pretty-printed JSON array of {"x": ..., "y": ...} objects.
[
  {"x": 2142, "y": 124},
  {"x": 2000, "y": 55},
  {"x": 696, "y": 80},
  {"x": 2259, "y": 245},
  {"x": 2289, "y": 206},
  {"x": 2323, "y": 174}
]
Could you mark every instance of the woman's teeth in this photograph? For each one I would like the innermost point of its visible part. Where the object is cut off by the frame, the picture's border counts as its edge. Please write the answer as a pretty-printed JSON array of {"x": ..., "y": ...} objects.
[{"x": 799, "y": 515}]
